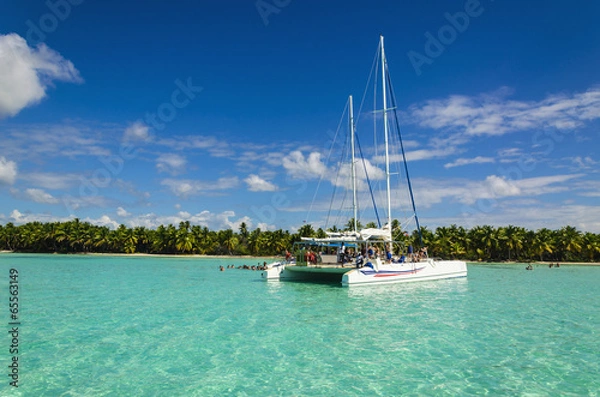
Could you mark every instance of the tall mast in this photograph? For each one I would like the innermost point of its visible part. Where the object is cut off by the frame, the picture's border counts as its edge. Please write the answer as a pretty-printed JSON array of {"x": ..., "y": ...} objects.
[
  {"x": 354, "y": 201},
  {"x": 386, "y": 132}
]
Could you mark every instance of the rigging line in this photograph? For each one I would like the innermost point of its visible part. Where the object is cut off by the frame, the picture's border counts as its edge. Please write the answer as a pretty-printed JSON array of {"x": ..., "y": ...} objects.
[
  {"x": 364, "y": 95},
  {"x": 368, "y": 182},
  {"x": 326, "y": 162},
  {"x": 375, "y": 80},
  {"x": 336, "y": 180},
  {"x": 412, "y": 198}
]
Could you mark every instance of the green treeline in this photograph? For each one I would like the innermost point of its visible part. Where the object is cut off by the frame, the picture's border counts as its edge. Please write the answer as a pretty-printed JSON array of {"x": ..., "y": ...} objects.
[{"x": 485, "y": 243}]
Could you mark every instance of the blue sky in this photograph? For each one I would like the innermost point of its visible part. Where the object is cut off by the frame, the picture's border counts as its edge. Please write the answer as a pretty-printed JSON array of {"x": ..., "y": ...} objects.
[{"x": 220, "y": 112}]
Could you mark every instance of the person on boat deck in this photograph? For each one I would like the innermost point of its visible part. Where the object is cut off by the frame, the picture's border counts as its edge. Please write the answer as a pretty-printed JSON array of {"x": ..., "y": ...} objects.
[
  {"x": 423, "y": 253},
  {"x": 359, "y": 260},
  {"x": 370, "y": 252},
  {"x": 287, "y": 255},
  {"x": 388, "y": 255},
  {"x": 410, "y": 252},
  {"x": 342, "y": 254}
]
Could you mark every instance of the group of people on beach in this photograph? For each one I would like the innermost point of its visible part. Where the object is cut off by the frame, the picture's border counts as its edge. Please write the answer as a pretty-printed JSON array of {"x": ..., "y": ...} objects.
[{"x": 246, "y": 267}]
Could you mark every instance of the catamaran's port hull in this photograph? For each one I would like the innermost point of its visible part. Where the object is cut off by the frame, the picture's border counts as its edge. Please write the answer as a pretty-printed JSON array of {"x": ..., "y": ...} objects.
[{"x": 329, "y": 274}]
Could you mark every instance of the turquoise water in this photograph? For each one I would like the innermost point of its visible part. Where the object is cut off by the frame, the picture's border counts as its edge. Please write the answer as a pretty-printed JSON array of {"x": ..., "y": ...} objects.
[{"x": 122, "y": 326}]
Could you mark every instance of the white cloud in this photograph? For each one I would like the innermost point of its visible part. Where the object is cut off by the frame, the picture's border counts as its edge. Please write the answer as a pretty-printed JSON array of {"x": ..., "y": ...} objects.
[
  {"x": 494, "y": 114},
  {"x": 26, "y": 73},
  {"x": 137, "y": 131},
  {"x": 343, "y": 178},
  {"x": 186, "y": 188},
  {"x": 257, "y": 184},
  {"x": 8, "y": 171},
  {"x": 20, "y": 218},
  {"x": 171, "y": 163},
  {"x": 463, "y": 161},
  {"x": 104, "y": 220},
  {"x": 40, "y": 196},
  {"x": 300, "y": 167},
  {"x": 122, "y": 212}
]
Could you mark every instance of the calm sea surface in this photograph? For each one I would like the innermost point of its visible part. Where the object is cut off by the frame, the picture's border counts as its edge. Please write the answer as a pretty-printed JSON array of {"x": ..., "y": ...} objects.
[{"x": 133, "y": 326}]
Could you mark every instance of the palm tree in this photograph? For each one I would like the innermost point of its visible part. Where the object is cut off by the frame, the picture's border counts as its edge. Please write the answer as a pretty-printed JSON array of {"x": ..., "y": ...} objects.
[
  {"x": 333, "y": 229},
  {"x": 569, "y": 240},
  {"x": 350, "y": 225},
  {"x": 228, "y": 240},
  {"x": 442, "y": 240},
  {"x": 306, "y": 231},
  {"x": 184, "y": 241},
  {"x": 514, "y": 238},
  {"x": 254, "y": 241},
  {"x": 591, "y": 244},
  {"x": 542, "y": 243}
]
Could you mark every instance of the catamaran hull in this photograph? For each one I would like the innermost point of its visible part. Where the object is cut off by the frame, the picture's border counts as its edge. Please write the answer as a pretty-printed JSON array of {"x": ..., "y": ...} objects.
[
  {"x": 405, "y": 273},
  {"x": 379, "y": 274},
  {"x": 292, "y": 272},
  {"x": 273, "y": 271}
]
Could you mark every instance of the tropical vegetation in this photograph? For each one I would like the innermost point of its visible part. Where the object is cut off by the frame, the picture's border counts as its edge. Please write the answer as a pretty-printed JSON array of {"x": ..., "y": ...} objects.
[{"x": 480, "y": 243}]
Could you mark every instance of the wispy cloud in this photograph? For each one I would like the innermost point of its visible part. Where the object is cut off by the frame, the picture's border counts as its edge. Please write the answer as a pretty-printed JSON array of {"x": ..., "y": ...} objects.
[
  {"x": 214, "y": 146},
  {"x": 171, "y": 163},
  {"x": 464, "y": 161},
  {"x": 429, "y": 192},
  {"x": 42, "y": 142},
  {"x": 40, "y": 196},
  {"x": 495, "y": 114},
  {"x": 26, "y": 73},
  {"x": 51, "y": 180},
  {"x": 187, "y": 187}
]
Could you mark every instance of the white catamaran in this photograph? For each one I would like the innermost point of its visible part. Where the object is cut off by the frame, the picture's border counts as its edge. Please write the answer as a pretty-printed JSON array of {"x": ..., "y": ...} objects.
[{"x": 351, "y": 257}]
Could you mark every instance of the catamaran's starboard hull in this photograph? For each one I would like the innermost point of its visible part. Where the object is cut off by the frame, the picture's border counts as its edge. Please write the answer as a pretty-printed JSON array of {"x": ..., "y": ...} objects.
[{"x": 405, "y": 273}]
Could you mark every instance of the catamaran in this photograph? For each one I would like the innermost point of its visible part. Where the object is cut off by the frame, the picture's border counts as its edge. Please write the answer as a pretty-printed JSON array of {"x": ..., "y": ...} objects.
[{"x": 368, "y": 256}]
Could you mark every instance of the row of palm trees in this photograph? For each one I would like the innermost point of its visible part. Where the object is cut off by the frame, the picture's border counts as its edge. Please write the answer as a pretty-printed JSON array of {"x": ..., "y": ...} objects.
[
  {"x": 512, "y": 243},
  {"x": 486, "y": 243},
  {"x": 82, "y": 237}
]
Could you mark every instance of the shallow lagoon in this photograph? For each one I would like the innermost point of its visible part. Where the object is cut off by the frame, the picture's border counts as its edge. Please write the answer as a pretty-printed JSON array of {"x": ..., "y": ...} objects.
[{"x": 103, "y": 325}]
